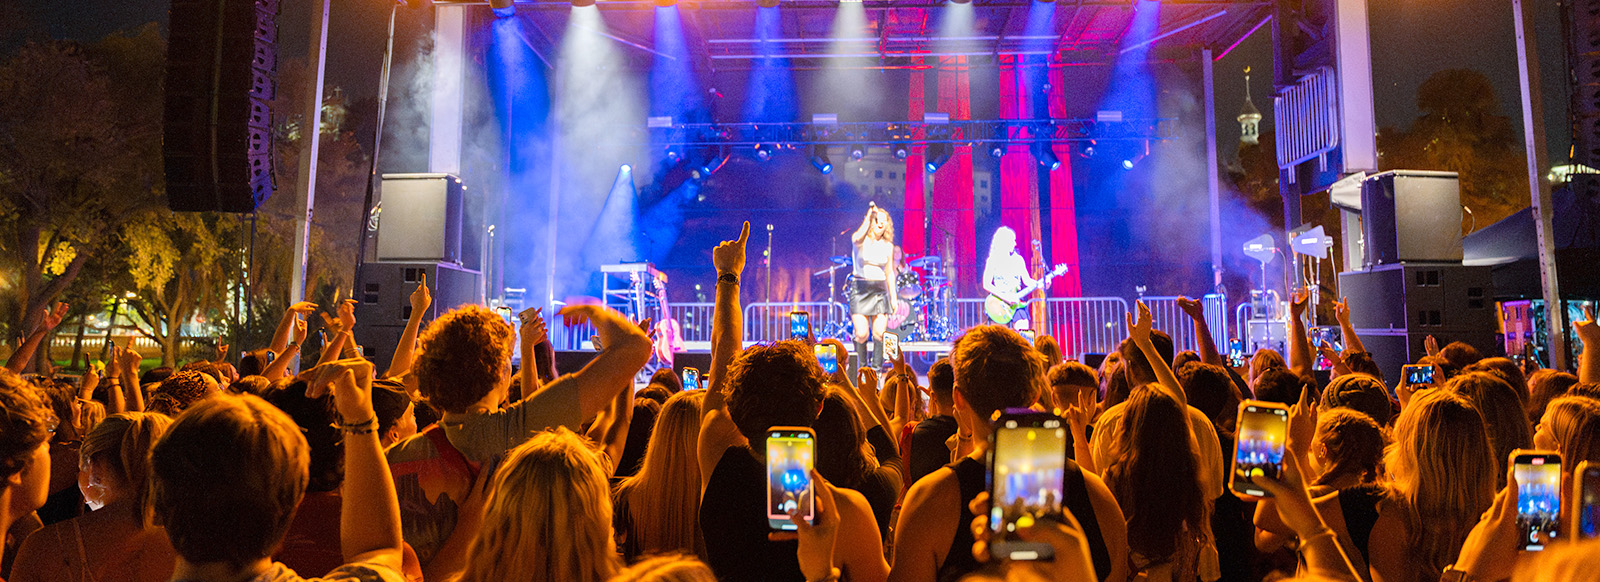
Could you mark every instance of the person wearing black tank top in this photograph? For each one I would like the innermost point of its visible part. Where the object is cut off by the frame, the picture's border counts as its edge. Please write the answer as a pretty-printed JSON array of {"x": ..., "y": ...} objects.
[{"x": 995, "y": 368}]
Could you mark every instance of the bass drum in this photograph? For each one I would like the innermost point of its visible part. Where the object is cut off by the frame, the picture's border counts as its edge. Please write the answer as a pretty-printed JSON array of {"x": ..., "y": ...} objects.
[
  {"x": 908, "y": 284},
  {"x": 905, "y": 321}
]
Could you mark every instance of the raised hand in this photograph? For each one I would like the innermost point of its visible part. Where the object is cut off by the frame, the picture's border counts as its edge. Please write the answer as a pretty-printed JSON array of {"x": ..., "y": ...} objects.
[
  {"x": 421, "y": 298},
  {"x": 867, "y": 379},
  {"x": 347, "y": 314},
  {"x": 533, "y": 331},
  {"x": 1587, "y": 330},
  {"x": 1139, "y": 329},
  {"x": 1193, "y": 308},
  {"x": 1298, "y": 303},
  {"x": 53, "y": 317},
  {"x": 729, "y": 256},
  {"x": 1302, "y": 423},
  {"x": 222, "y": 350},
  {"x": 1079, "y": 412},
  {"x": 1341, "y": 310},
  {"x": 334, "y": 326},
  {"x": 1431, "y": 345},
  {"x": 1066, "y": 538},
  {"x": 816, "y": 540},
  {"x": 1292, "y": 498},
  {"x": 299, "y": 330},
  {"x": 303, "y": 308}
]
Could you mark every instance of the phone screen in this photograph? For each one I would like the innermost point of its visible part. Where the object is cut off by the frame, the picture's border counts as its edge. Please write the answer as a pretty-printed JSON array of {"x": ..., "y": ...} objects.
[
  {"x": 1538, "y": 499},
  {"x": 798, "y": 322},
  {"x": 790, "y": 452},
  {"x": 691, "y": 379},
  {"x": 1263, "y": 431},
  {"x": 827, "y": 356},
  {"x": 1418, "y": 375},
  {"x": 1589, "y": 503},
  {"x": 891, "y": 345},
  {"x": 1026, "y": 469}
]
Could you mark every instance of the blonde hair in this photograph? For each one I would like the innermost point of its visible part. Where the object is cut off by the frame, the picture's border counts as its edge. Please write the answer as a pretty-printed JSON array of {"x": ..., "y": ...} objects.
[
  {"x": 1575, "y": 426},
  {"x": 668, "y": 568},
  {"x": 90, "y": 414},
  {"x": 865, "y": 231},
  {"x": 122, "y": 443},
  {"x": 663, "y": 499},
  {"x": 1443, "y": 476},
  {"x": 548, "y": 516}
]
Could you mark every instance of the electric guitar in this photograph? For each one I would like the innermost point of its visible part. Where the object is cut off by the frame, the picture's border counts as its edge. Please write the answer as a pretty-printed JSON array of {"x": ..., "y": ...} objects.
[{"x": 1001, "y": 310}]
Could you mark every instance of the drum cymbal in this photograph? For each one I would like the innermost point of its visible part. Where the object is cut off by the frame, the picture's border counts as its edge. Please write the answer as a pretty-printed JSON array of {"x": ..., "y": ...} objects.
[
  {"x": 841, "y": 259},
  {"x": 925, "y": 262},
  {"x": 935, "y": 279}
]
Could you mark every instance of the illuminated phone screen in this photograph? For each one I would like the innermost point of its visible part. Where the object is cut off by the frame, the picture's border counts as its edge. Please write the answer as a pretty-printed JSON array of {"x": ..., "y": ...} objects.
[
  {"x": 1589, "y": 504},
  {"x": 790, "y": 455},
  {"x": 798, "y": 322},
  {"x": 1263, "y": 431},
  {"x": 1538, "y": 500},
  {"x": 1029, "y": 461},
  {"x": 827, "y": 356}
]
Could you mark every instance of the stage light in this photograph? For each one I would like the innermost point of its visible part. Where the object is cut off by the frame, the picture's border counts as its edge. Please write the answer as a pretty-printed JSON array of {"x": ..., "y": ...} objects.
[
  {"x": 582, "y": 3},
  {"x": 937, "y": 154},
  {"x": 858, "y": 151},
  {"x": 763, "y": 152},
  {"x": 1127, "y": 164},
  {"x": 901, "y": 150},
  {"x": 502, "y": 8},
  {"x": 1046, "y": 156},
  {"x": 716, "y": 156},
  {"x": 960, "y": 1},
  {"x": 819, "y": 159}
]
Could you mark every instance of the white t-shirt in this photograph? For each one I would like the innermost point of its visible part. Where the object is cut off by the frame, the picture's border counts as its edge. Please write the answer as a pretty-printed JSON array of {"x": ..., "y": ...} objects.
[{"x": 872, "y": 259}]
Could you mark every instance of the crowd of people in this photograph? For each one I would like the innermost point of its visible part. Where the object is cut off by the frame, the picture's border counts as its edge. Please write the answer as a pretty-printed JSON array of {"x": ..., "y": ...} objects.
[{"x": 451, "y": 465}]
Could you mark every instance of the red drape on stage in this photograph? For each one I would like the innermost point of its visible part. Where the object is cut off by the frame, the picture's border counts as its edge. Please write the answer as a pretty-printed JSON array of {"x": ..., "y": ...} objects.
[{"x": 951, "y": 207}]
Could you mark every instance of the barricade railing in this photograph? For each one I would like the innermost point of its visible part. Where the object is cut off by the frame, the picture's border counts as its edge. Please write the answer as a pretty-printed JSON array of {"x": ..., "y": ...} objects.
[
  {"x": 1170, "y": 318},
  {"x": 1083, "y": 325},
  {"x": 767, "y": 322},
  {"x": 694, "y": 320}
]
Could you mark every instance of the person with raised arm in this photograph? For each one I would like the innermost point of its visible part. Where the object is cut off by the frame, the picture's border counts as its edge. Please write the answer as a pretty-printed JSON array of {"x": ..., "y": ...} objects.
[
  {"x": 1300, "y": 353},
  {"x": 1588, "y": 333},
  {"x": 1202, "y": 330},
  {"x": 48, "y": 320},
  {"x": 405, "y": 351}
]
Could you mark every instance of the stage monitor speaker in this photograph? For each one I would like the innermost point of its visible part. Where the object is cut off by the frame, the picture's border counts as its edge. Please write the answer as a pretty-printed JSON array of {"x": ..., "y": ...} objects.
[
  {"x": 222, "y": 68},
  {"x": 1420, "y": 297},
  {"x": 1393, "y": 349},
  {"x": 383, "y": 304},
  {"x": 1410, "y": 215},
  {"x": 421, "y": 218}
]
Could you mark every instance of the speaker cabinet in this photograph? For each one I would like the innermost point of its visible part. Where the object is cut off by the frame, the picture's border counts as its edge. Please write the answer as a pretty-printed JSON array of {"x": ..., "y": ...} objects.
[
  {"x": 1393, "y": 308},
  {"x": 421, "y": 218},
  {"x": 1410, "y": 215},
  {"x": 383, "y": 304}
]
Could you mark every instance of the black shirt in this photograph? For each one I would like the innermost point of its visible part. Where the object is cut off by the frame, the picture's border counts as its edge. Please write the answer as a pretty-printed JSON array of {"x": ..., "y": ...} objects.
[
  {"x": 927, "y": 450},
  {"x": 733, "y": 519},
  {"x": 881, "y": 486}
]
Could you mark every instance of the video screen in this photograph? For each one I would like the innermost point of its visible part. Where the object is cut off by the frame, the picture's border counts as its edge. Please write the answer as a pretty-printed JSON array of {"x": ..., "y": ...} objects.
[
  {"x": 1589, "y": 505},
  {"x": 798, "y": 321},
  {"x": 828, "y": 357},
  {"x": 1027, "y": 480},
  {"x": 1538, "y": 501},
  {"x": 789, "y": 462},
  {"x": 1263, "y": 432}
]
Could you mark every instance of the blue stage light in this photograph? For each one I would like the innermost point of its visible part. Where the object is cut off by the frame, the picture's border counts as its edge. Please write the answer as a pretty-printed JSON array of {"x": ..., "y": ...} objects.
[
  {"x": 502, "y": 8},
  {"x": 819, "y": 159},
  {"x": 938, "y": 154},
  {"x": 1046, "y": 156}
]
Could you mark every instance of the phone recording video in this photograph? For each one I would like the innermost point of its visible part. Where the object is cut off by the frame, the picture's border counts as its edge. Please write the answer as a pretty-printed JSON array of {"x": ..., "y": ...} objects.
[
  {"x": 799, "y": 323},
  {"x": 891, "y": 345},
  {"x": 1588, "y": 518},
  {"x": 691, "y": 378},
  {"x": 1263, "y": 431},
  {"x": 1418, "y": 375},
  {"x": 790, "y": 453},
  {"x": 1538, "y": 497},
  {"x": 1025, "y": 479},
  {"x": 827, "y": 356}
]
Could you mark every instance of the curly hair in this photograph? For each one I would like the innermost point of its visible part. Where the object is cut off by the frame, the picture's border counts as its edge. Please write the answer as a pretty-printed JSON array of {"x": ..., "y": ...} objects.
[
  {"x": 465, "y": 356},
  {"x": 996, "y": 368},
  {"x": 25, "y": 423},
  {"x": 774, "y": 385},
  {"x": 178, "y": 392},
  {"x": 1359, "y": 392},
  {"x": 1354, "y": 444}
]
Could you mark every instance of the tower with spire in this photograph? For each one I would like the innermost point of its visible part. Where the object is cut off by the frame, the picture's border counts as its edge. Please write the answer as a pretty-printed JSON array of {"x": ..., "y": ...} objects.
[{"x": 1249, "y": 117}]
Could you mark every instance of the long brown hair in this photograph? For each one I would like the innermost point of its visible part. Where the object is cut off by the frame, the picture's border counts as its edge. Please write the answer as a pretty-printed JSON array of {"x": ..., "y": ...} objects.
[
  {"x": 548, "y": 516},
  {"x": 663, "y": 499},
  {"x": 1156, "y": 482},
  {"x": 1442, "y": 476},
  {"x": 1354, "y": 442}
]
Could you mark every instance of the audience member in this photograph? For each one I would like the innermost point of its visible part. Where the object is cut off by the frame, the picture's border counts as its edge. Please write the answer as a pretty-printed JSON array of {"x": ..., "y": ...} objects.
[
  {"x": 864, "y": 461},
  {"x": 1507, "y": 370},
  {"x": 927, "y": 449},
  {"x": 1504, "y": 420},
  {"x": 1544, "y": 386},
  {"x": 1571, "y": 426},
  {"x": 1361, "y": 392},
  {"x": 658, "y": 508},
  {"x": 25, "y": 427},
  {"x": 668, "y": 379}
]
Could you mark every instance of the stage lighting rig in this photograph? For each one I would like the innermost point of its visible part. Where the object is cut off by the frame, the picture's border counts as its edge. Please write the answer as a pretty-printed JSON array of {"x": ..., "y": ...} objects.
[
  {"x": 857, "y": 151},
  {"x": 764, "y": 151},
  {"x": 937, "y": 155},
  {"x": 1046, "y": 156},
  {"x": 819, "y": 159}
]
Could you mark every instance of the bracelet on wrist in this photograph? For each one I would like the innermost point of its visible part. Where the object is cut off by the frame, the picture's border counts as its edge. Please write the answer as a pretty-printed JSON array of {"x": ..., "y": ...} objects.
[
  {"x": 728, "y": 278},
  {"x": 370, "y": 422}
]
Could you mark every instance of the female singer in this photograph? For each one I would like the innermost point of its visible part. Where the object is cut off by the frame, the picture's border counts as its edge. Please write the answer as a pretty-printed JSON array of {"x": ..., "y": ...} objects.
[{"x": 871, "y": 300}]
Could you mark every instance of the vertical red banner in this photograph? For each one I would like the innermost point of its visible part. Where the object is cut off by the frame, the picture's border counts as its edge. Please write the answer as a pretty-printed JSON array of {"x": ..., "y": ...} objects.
[
  {"x": 1063, "y": 204},
  {"x": 951, "y": 209}
]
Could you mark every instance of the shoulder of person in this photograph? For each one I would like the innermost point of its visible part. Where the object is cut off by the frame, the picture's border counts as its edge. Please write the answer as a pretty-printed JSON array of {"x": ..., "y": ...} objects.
[
  {"x": 362, "y": 572},
  {"x": 416, "y": 447}
]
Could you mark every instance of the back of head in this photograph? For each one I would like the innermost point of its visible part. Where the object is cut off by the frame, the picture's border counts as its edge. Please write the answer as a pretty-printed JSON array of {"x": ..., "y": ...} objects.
[
  {"x": 1573, "y": 422},
  {"x": 1443, "y": 472},
  {"x": 1184, "y": 358},
  {"x": 317, "y": 420},
  {"x": 1585, "y": 389},
  {"x": 254, "y": 362},
  {"x": 256, "y": 385},
  {"x": 465, "y": 356},
  {"x": 389, "y": 403},
  {"x": 1353, "y": 442},
  {"x": 942, "y": 382},
  {"x": 547, "y": 516},
  {"x": 226, "y": 478},
  {"x": 1134, "y": 364},
  {"x": 655, "y": 392},
  {"x": 663, "y": 498},
  {"x": 1052, "y": 351},
  {"x": 1160, "y": 482},
  {"x": 666, "y": 378},
  {"x": 179, "y": 391},
  {"x": 1211, "y": 391},
  {"x": 1503, "y": 417},
  {"x": 155, "y": 375},
  {"x": 1069, "y": 379},
  {"x": 204, "y": 367},
  {"x": 1359, "y": 392},
  {"x": 1279, "y": 385},
  {"x": 1362, "y": 363},
  {"x": 996, "y": 368},
  {"x": 25, "y": 423},
  {"x": 1545, "y": 386},
  {"x": 840, "y": 456},
  {"x": 1114, "y": 386},
  {"x": 1263, "y": 360},
  {"x": 121, "y": 444},
  {"x": 1507, "y": 370},
  {"x": 1460, "y": 354},
  {"x": 669, "y": 568},
  {"x": 774, "y": 385}
]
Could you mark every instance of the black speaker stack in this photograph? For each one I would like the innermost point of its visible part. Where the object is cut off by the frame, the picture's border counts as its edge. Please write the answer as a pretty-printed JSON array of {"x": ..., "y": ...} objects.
[{"x": 222, "y": 67}]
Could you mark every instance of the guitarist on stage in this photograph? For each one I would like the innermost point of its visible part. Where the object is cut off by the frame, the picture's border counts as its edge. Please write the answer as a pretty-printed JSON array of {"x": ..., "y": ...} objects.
[{"x": 1006, "y": 278}]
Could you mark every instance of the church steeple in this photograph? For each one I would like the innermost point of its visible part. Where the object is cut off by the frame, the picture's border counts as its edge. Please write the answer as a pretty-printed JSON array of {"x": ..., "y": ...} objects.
[{"x": 1249, "y": 117}]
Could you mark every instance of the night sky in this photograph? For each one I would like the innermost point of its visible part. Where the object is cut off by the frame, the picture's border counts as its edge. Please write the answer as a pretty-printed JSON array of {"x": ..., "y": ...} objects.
[{"x": 1411, "y": 39}]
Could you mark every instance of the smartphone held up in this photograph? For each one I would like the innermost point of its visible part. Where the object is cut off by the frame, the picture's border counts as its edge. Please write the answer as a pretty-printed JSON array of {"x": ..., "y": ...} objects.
[
  {"x": 1259, "y": 446},
  {"x": 1538, "y": 476},
  {"x": 791, "y": 452},
  {"x": 1027, "y": 467}
]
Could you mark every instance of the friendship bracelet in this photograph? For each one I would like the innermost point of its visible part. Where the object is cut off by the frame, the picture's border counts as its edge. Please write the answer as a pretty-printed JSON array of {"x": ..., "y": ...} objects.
[
  {"x": 363, "y": 424},
  {"x": 370, "y": 429}
]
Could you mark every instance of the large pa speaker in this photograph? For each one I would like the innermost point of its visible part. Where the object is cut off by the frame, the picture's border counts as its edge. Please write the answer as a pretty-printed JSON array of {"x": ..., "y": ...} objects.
[
  {"x": 421, "y": 218},
  {"x": 1392, "y": 350},
  {"x": 383, "y": 304},
  {"x": 222, "y": 66},
  {"x": 1420, "y": 297},
  {"x": 1410, "y": 215}
]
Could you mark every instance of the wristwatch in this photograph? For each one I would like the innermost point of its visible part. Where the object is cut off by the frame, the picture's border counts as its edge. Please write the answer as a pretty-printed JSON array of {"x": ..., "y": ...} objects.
[{"x": 728, "y": 278}]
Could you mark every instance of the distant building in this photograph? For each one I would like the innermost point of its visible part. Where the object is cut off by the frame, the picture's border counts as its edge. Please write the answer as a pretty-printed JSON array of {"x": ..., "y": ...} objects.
[{"x": 1249, "y": 117}]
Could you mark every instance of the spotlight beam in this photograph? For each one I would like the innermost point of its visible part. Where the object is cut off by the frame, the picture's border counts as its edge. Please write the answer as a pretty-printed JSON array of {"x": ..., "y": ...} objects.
[{"x": 1159, "y": 36}]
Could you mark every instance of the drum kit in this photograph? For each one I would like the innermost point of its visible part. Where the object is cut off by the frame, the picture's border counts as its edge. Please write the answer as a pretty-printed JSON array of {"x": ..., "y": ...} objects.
[{"x": 924, "y": 295}]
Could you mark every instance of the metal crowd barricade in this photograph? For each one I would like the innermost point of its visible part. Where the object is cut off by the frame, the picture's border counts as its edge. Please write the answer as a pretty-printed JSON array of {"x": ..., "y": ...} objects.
[
  {"x": 1170, "y": 318},
  {"x": 1083, "y": 325},
  {"x": 768, "y": 322},
  {"x": 694, "y": 320}
]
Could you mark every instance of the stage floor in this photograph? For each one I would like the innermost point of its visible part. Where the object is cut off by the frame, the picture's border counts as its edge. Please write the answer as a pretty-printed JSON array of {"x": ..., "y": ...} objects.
[{"x": 912, "y": 347}]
